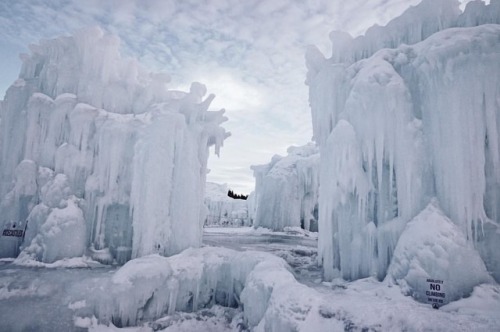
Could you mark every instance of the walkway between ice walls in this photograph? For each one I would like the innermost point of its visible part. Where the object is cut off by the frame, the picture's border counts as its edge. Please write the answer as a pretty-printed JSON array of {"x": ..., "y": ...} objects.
[
  {"x": 407, "y": 120},
  {"x": 99, "y": 158}
]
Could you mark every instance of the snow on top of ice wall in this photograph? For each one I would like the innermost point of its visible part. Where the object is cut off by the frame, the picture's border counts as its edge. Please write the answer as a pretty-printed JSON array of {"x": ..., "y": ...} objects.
[
  {"x": 133, "y": 152},
  {"x": 286, "y": 189},
  {"x": 424, "y": 121}
]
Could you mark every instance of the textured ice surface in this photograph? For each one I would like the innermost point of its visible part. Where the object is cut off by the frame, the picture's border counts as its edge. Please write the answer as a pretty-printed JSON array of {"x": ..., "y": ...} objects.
[
  {"x": 148, "y": 287},
  {"x": 224, "y": 210},
  {"x": 62, "y": 235},
  {"x": 408, "y": 112},
  {"x": 433, "y": 247},
  {"x": 286, "y": 190},
  {"x": 94, "y": 148}
]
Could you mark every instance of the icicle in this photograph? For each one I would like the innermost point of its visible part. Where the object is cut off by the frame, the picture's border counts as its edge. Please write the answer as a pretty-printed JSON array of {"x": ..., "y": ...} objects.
[{"x": 173, "y": 288}]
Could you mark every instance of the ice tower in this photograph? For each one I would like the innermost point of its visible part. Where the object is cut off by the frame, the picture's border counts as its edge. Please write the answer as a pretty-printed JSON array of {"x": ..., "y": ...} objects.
[
  {"x": 286, "y": 190},
  {"x": 408, "y": 116},
  {"x": 98, "y": 156}
]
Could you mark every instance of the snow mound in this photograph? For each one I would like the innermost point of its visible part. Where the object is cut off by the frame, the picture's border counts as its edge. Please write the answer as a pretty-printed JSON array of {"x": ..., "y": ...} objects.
[{"x": 433, "y": 247}]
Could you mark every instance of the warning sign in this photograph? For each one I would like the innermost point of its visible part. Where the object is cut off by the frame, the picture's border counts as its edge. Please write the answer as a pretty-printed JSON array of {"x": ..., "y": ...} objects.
[
  {"x": 435, "y": 293},
  {"x": 15, "y": 229},
  {"x": 13, "y": 232}
]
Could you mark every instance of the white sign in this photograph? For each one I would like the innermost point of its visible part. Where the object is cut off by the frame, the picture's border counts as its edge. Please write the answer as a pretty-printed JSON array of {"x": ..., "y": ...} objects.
[
  {"x": 435, "y": 293},
  {"x": 15, "y": 229},
  {"x": 13, "y": 232}
]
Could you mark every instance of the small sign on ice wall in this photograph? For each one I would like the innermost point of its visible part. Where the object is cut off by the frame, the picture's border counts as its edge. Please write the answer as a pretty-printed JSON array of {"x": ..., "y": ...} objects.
[
  {"x": 14, "y": 229},
  {"x": 435, "y": 293}
]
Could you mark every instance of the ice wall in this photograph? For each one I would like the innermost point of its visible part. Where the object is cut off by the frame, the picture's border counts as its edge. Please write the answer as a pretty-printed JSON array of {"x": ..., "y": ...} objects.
[
  {"x": 408, "y": 112},
  {"x": 224, "y": 210},
  {"x": 91, "y": 138},
  {"x": 286, "y": 190},
  {"x": 251, "y": 205}
]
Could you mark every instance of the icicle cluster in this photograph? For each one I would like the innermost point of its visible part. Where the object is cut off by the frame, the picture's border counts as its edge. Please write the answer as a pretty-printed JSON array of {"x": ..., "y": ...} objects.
[
  {"x": 286, "y": 190},
  {"x": 84, "y": 128},
  {"x": 408, "y": 112},
  {"x": 224, "y": 210},
  {"x": 151, "y": 287}
]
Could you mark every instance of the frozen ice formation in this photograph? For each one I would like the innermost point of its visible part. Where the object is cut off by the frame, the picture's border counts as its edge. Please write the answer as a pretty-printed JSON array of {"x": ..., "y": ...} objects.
[
  {"x": 286, "y": 190},
  {"x": 97, "y": 155},
  {"x": 149, "y": 287},
  {"x": 432, "y": 246},
  {"x": 406, "y": 115},
  {"x": 224, "y": 210}
]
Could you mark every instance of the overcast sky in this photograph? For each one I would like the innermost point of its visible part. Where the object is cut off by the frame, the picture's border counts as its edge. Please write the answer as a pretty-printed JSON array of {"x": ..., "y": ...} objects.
[{"x": 249, "y": 53}]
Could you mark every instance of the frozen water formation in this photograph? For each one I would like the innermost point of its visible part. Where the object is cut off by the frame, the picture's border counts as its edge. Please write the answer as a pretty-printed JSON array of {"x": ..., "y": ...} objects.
[
  {"x": 286, "y": 190},
  {"x": 407, "y": 119},
  {"x": 96, "y": 154},
  {"x": 224, "y": 210},
  {"x": 148, "y": 287}
]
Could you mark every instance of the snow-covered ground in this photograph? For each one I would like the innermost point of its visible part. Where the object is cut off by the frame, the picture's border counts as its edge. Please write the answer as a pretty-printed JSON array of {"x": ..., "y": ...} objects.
[{"x": 274, "y": 297}]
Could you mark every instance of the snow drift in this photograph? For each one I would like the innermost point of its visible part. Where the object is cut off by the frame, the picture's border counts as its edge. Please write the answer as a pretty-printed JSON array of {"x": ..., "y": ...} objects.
[
  {"x": 96, "y": 153},
  {"x": 408, "y": 112},
  {"x": 286, "y": 190}
]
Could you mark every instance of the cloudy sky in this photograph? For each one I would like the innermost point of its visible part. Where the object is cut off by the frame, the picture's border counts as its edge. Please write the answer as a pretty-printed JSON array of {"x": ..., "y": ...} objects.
[{"x": 250, "y": 53}]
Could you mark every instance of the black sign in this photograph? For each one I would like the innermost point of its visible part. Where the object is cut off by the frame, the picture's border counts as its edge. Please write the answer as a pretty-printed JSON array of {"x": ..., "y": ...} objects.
[
  {"x": 435, "y": 293},
  {"x": 13, "y": 232}
]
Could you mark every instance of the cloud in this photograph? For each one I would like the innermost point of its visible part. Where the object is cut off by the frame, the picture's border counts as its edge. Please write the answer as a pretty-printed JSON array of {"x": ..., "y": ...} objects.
[{"x": 249, "y": 53}]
